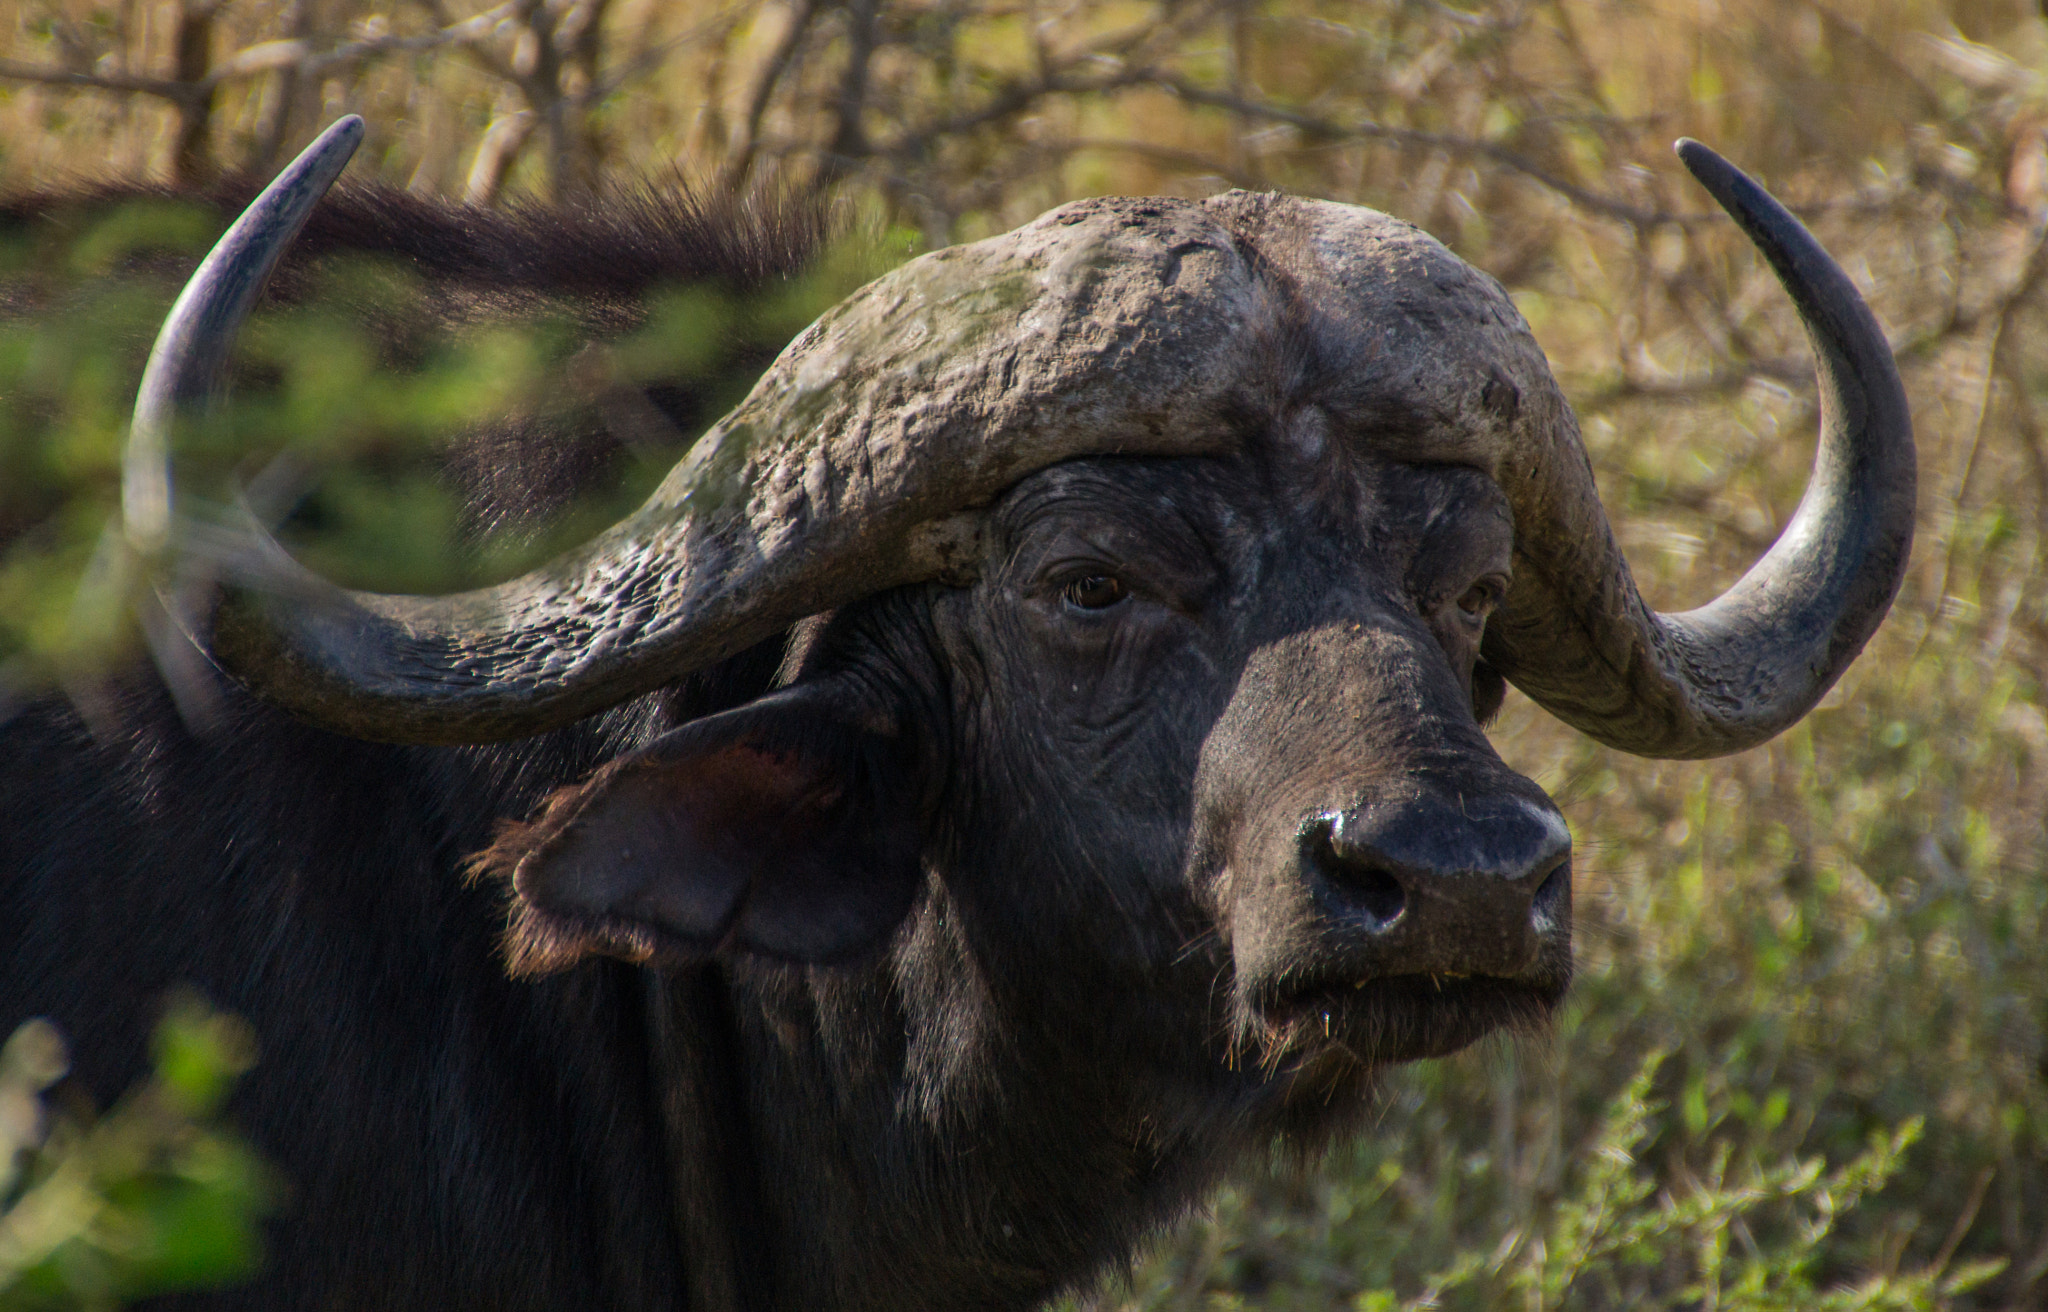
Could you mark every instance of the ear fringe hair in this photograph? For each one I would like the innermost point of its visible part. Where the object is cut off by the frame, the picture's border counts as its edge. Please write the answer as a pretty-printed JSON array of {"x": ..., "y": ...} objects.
[{"x": 535, "y": 943}]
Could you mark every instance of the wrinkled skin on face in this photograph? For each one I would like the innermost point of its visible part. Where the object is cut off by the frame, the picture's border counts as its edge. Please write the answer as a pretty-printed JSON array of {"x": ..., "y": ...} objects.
[
  {"x": 1180, "y": 818},
  {"x": 1204, "y": 668}
]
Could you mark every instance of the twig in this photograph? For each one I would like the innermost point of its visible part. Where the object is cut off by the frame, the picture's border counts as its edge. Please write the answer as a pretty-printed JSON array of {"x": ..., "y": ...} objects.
[
  {"x": 191, "y": 161},
  {"x": 276, "y": 122},
  {"x": 849, "y": 140},
  {"x": 1997, "y": 363},
  {"x": 313, "y": 63},
  {"x": 502, "y": 141},
  {"x": 1009, "y": 100},
  {"x": 1593, "y": 202},
  {"x": 1721, "y": 382},
  {"x": 2031, "y": 442},
  {"x": 741, "y": 159},
  {"x": 1964, "y": 1220},
  {"x": 1186, "y": 159},
  {"x": 294, "y": 53},
  {"x": 163, "y": 88}
]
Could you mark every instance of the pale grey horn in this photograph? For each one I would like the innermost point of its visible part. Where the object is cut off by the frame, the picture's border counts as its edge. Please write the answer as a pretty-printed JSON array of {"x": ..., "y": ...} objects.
[
  {"x": 191, "y": 350},
  {"x": 1575, "y": 634}
]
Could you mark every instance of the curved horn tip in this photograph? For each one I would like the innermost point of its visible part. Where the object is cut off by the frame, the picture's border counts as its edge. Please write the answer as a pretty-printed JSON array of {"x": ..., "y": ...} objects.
[
  {"x": 192, "y": 345},
  {"x": 1750, "y": 663},
  {"x": 1697, "y": 154},
  {"x": 1775, "y": 230},
  {"x": 1733, "y": 188}
]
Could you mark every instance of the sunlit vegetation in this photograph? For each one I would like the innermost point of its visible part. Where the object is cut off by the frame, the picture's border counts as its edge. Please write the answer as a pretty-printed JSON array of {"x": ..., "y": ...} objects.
[
  {"x": 154, "y": 1196},
  {"x": 1806, "y": 1063}
]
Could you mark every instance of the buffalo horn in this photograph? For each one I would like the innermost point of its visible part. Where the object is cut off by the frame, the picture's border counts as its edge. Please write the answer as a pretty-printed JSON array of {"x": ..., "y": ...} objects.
[
  {"x": 191, "y": 348},
  {"x": 1577, "y": 637},
  {"x": 861, "y": 461}
]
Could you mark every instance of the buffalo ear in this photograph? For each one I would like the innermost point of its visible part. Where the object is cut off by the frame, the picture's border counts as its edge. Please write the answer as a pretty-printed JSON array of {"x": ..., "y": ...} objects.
[{"x": 786, "y": 827}]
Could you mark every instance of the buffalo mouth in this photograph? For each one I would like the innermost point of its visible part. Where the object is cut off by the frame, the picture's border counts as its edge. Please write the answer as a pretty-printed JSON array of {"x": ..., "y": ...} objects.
[{"x": 1392, "y": 1019}]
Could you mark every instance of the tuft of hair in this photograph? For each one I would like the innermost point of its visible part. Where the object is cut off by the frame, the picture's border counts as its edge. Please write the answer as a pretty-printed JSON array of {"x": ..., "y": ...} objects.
[
  {"x": 535, "y": 944},
  {"x": 653, "y": 232}
]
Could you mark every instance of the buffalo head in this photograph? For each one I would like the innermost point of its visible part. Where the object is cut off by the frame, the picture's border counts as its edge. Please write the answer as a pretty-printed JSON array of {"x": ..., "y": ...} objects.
[{"x": 1140, "y": 581}]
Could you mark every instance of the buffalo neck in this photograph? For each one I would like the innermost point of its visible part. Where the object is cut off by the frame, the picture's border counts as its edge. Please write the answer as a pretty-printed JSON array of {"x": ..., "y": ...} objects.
[{"x": 923, "y": 1132}]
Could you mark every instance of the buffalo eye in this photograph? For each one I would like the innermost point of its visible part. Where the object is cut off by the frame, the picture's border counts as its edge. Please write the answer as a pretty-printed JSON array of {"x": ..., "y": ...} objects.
[
  {"x": 1479, "y": 599},
  {"x": 1094, "y": 592}
]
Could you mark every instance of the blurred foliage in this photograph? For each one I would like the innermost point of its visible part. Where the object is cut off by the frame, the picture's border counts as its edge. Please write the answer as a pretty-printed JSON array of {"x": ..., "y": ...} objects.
[
  {"x": 153, "y": 1197},
  {"x": 1742, "y": 1235},
  {"x": 1832, "y": 938},
  {"x": 394, "y": 420}
]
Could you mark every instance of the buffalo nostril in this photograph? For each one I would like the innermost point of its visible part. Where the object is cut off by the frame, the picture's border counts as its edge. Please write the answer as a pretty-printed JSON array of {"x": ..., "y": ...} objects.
[
  {"x": 1367, "y": 886},
  {"x": 1377, "y": 893},
  {"x": 1547, "y": 909}
]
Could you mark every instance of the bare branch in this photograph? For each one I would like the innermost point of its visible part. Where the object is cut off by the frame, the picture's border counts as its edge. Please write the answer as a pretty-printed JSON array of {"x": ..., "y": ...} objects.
[
  {"x": 1186, "y": 159},
  {"x": 284, "y": 94},
  {"x": 502, "y": 142},
  {"x": 1010, "y": 100},
  {"x": 191, "y": 159},
  {"x": 849, "y": 140},
  {"x": 740, "y": 159},
  {"x": 301, "y": 56},
  {"x": 1333, "y": 130},
  {"x": 1721, "y": 382},
  {"x": 163, "y": 88},
  {"x": 474, "y": 50},
  {"x": 294, "y": 54}
]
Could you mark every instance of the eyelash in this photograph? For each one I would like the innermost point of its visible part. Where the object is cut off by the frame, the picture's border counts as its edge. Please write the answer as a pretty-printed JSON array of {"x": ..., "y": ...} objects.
[{"x": 1073, "y": 591}]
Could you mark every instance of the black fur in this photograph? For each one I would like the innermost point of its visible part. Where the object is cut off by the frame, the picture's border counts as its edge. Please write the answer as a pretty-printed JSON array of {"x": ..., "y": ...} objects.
[{"x": 1098, "y": 959}]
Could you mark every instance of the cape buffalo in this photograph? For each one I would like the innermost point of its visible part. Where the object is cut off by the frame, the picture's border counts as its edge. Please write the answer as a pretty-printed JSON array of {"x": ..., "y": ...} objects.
[{"x": 1028, "y": 753}]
